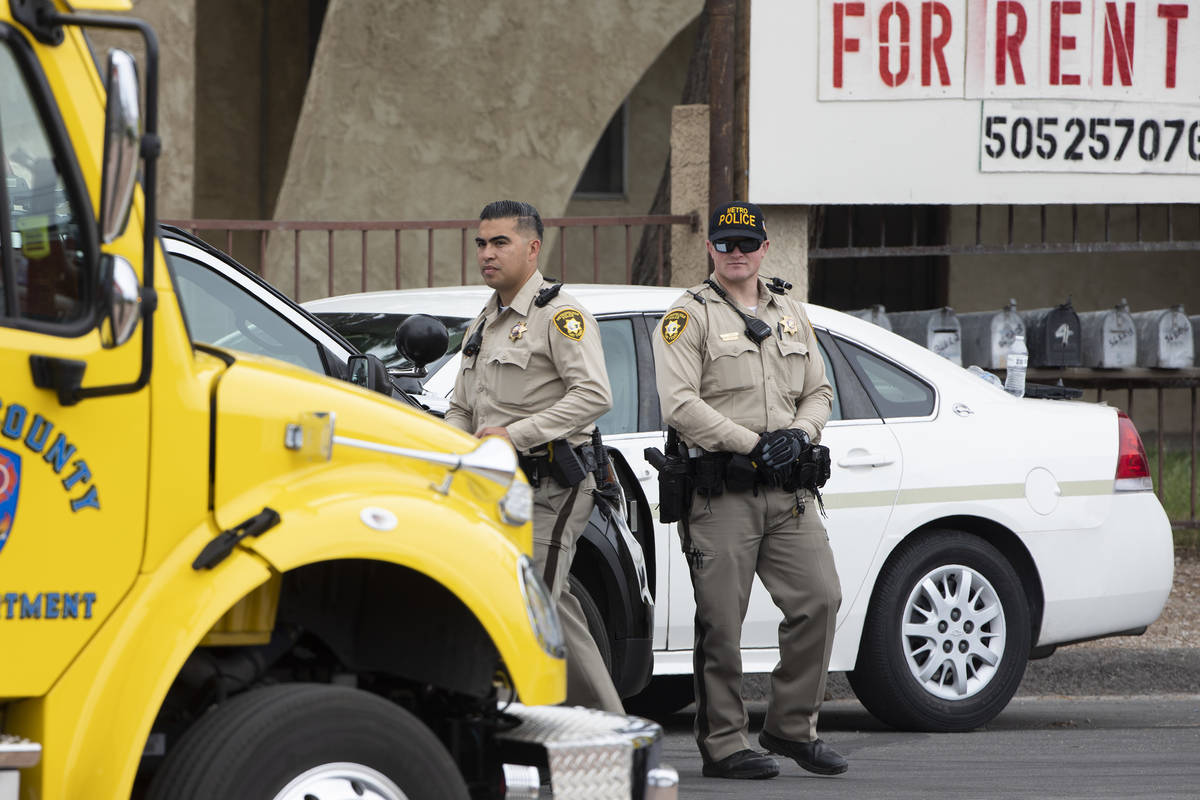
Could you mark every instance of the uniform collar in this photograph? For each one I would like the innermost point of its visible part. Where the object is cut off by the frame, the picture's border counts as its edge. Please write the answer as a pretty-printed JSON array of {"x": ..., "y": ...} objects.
[
  {"x": 522, "y": 301},
  {"x": 765, "y": 295}
]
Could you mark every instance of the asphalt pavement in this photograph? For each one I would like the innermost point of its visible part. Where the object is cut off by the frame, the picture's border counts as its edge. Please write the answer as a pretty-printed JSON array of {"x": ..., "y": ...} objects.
[{"x": 1086, "y": 723}]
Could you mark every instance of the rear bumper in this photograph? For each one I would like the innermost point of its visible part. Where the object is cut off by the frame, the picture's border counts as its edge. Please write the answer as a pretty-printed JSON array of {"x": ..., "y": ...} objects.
[
  {"x": 588, "y": 753},
  {"x": 1107, "y": 580}
]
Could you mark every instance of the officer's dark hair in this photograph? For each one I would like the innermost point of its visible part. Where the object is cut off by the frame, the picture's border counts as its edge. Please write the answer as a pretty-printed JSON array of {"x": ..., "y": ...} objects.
[{"x": 528, "y": 218}]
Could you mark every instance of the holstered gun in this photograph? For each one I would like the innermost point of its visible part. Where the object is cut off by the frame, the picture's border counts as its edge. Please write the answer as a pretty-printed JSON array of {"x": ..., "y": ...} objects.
[
  {"x": 565, "y": 464},
  {"x": 674, "y": 489}
]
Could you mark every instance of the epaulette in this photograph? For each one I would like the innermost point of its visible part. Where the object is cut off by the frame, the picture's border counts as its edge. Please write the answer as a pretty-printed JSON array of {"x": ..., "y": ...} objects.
[
  {"x": 546, "y": 295},
  {"x": 778, "y": 285},
  {"x": 699, "y": 299}
]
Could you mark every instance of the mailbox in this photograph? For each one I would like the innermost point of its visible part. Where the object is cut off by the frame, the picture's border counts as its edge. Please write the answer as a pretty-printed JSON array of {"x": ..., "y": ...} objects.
[
  {"x": 1164, "y": 338},
  {"x": 1052, "y": 336},
  {"x": 988, "y": 335},
  {"x": 936, "y": 329},
  {"x": 1109, "y": 337},
  {"x": 875, "y": 313}
]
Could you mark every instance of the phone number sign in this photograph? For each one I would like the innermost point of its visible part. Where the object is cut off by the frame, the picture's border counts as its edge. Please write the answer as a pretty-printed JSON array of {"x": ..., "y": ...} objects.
[{"x": 1049, "y": 136}]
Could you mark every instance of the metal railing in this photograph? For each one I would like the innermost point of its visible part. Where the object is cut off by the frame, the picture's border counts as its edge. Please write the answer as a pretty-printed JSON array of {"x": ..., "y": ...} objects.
[
  {"x": 1110, "y": 385},
  {"x": 220, "y": 233}
]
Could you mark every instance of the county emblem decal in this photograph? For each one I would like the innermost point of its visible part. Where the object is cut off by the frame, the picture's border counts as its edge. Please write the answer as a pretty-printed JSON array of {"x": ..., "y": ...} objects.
[
  {"x": 673, "y": 325},
  {"x": 569, "y": 323},
  {"x": 10, "y": 488}
]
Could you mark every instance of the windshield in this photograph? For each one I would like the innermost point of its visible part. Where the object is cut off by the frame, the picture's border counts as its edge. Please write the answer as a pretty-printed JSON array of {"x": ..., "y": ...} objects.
[{"x": 376, "y": 334}]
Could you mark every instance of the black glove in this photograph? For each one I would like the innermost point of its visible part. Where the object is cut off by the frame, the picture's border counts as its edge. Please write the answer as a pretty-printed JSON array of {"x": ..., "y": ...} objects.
[{"x": 778, "y": 449}]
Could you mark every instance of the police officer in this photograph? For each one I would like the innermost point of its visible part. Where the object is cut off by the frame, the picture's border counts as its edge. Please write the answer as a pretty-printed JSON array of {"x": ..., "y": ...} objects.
[
  {"x": 533, "y": 372},
  {"x": 741, "y": 380}
]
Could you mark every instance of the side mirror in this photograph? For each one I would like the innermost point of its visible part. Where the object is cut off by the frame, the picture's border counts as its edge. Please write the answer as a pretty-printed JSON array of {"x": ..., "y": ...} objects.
[
  {"x": 121, "y": 296},
  {"x": 122, "y": 137},
  {"x": 369, "y": 372},
  {"x": 421, "y": 339}
]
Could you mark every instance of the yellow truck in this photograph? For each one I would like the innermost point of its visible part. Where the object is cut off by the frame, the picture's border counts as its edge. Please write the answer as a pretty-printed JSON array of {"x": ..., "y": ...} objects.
[{"x": 222, "y": 576}]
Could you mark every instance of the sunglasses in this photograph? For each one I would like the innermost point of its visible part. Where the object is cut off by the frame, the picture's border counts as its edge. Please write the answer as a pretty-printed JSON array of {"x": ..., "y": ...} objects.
[{"x": 745, "y": 245}]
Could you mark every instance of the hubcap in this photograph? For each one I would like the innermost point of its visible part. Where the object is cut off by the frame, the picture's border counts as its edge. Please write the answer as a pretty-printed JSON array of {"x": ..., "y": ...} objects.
[
  {"x": 341, "y": 781},
  {"x": 953, "y": 632}
]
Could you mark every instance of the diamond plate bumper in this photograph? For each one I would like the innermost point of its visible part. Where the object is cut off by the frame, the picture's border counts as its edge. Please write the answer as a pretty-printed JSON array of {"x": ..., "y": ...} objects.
[{"x": 589, "y": 755}]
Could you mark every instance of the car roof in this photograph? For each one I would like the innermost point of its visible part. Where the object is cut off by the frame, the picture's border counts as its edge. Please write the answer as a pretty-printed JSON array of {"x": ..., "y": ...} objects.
[{"x": 466, "y": 301}]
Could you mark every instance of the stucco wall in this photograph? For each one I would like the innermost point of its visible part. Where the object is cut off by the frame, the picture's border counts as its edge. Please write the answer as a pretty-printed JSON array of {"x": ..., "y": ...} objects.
[
  {"x": 174, "y": 22},
  {"x": 648, "y": 146},
  {"x": 420, "y": 110}
]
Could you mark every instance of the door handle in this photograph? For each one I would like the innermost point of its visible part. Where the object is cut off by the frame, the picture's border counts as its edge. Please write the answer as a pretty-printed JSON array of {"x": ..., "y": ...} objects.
[{"x": 865, "y": 460}]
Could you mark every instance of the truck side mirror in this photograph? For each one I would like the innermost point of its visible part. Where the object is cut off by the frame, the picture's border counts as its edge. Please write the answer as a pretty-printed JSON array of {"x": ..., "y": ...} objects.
[
  {"x": 369, "y": 372},
  {"x": 121, "y": 297},
  {"x": 122, "y": 138},
  {"x": 421, "y": 339}
]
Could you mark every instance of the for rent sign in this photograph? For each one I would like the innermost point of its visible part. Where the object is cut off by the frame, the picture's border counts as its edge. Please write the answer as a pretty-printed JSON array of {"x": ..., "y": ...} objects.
[{"x": 969, "y": 100}]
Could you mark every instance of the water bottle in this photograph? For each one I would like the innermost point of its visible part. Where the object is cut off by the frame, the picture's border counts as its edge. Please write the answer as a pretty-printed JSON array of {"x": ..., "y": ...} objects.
[{"x": 1018, "y": 360}]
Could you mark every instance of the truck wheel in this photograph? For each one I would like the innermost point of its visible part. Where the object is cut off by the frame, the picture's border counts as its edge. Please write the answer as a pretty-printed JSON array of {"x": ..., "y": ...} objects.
[
  {"x": 309, "y": 741},
  {"x": 594, "y": 619},
  {"x": 946, "y": 638}
]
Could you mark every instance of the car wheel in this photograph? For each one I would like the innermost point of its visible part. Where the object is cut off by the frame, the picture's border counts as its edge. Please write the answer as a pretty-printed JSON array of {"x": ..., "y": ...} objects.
[
  {"x": 662, "y": 697},
  {"x": 947, "y": 635},
  {"x": 594, "y": 619},
  {"x": 308, "y": 741}
]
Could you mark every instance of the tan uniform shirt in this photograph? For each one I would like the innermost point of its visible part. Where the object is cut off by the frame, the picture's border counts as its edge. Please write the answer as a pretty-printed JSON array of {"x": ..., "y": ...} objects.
[
  {"x": 720, "y": 390},
  {"x": 539, "y": 371}
]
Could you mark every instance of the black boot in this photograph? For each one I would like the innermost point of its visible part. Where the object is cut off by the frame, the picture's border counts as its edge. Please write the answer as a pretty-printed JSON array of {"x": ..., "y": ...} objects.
[
  {"x": 814, "y": 756},
  {"x": 744, "y": 764}
]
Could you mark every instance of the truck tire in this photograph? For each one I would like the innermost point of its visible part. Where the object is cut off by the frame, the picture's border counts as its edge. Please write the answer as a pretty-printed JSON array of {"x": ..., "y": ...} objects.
[
  {"x": 946, "y": 638},
  {"x": 594, "y": 619},
  {"x": 312, "y": 741}
]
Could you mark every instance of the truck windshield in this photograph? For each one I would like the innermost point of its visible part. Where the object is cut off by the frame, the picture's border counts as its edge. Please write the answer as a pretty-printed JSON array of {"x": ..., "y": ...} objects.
[{"x": 376, "y": 334}]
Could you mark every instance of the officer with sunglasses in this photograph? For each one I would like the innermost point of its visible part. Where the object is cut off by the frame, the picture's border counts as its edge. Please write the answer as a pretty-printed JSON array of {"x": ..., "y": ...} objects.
[{"x": 742, "y": 382}]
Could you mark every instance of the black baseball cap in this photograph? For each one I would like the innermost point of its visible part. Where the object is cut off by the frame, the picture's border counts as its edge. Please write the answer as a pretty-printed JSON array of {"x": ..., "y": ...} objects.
[{"x": 737, "y": 220}]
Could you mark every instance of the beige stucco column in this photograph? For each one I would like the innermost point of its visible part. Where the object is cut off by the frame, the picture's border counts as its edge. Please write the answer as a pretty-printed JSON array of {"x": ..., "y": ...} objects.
[
  {"x": 787, "y": 228},
  {"x": 175, "y": 23},
  {"x": 419, "y": 110},
  {"x": 689, "y": 192}
]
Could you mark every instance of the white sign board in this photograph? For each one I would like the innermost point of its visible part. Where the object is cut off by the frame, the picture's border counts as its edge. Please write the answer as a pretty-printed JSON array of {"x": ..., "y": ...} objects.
[{"x": 974, "y": 101}]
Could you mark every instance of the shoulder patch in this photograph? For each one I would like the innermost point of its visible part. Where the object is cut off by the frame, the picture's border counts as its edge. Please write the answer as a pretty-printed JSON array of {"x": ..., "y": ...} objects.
[
  {"x": 673, "y": 324},
  {"x": 569, "y": 323}
]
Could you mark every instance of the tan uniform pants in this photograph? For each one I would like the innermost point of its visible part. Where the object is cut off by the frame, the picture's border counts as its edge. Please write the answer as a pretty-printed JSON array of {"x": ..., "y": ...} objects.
[
  {"x": 727, "y": 540},
  {"x": 559, "y": 517}
]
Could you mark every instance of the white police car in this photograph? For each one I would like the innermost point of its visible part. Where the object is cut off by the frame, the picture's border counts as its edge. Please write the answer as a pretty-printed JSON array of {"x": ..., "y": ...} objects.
[{"x": 972, "y": 530}]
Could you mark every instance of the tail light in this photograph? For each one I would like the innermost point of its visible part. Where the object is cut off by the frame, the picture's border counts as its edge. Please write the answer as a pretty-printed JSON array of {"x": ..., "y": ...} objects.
[{"x": 1133, "y": 470}]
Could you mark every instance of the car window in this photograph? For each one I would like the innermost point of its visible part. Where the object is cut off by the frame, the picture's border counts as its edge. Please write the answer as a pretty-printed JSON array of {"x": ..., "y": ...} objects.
[
  {"x": 836, "y": 413},
  {"x": 46, "y": 240},
  {"x": 222, "y": 313},
  {"x": 895, "y": 392},
  {"x": 620, "y": 359},
  {"x": 375, "y": 334}
]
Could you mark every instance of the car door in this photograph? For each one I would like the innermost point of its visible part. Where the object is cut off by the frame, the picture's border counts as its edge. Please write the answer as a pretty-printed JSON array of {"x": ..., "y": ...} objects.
[
  {"x": 73, "y": 474},
  {"x": 633, "y": 424}
]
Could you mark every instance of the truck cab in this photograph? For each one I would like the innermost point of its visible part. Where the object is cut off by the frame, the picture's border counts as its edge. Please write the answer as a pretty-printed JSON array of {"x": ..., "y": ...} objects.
[{"x": 221, "y": 574}]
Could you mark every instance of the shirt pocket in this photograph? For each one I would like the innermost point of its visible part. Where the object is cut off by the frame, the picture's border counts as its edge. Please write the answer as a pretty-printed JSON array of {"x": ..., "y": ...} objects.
[
  {"x": 794, "y": 355},
  {"x": 732, "y": 366},
  {"x": 507, "y": 368}
]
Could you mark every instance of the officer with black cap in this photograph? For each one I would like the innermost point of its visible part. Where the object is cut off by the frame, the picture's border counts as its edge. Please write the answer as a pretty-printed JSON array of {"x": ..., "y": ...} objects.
[{"x": 741, "y": 380}]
